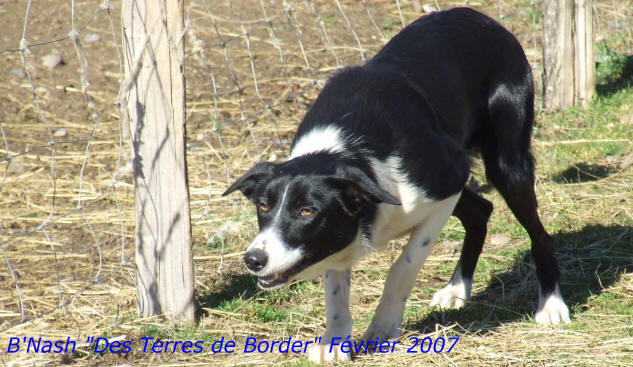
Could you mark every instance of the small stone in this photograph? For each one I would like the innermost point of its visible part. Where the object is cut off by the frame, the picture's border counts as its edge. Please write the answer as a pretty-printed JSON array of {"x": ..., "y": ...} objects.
[
  {"x": 474, "y": 185},
  {"x": 428, "y": 8},
  {"x": 626, "y": 161},
  {"x": 18, "y": 72},
  {"x": 500, "y": 239},
  {"x": 449, "y": 247},
  {"x": 52, "y": 60},
  {"x": 228, "y": 229},
  {"x": 60, "y": 132},
  {"x": 91, "y": 37},
  {"x": 16, "y": 168}
]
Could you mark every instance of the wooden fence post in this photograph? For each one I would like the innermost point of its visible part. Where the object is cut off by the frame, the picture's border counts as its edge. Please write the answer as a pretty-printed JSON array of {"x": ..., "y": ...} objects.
[
  {"x": 154, "y": 87},
  {"x": 568, "y": 58},
  {"x": 585, "y": 65}
]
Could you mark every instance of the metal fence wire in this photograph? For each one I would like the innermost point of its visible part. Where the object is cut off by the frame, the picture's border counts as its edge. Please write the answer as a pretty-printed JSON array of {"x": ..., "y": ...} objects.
[{"x": 253, "y": 67}]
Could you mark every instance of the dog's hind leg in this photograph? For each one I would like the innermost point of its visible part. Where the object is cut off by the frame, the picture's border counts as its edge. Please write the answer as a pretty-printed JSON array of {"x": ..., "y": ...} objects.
[
  {"x": 338, "y": 316},
  {"x": 509, "y": 166},
  {"x": 402, "y": 276},
  {"x": 473, "y": 211}
]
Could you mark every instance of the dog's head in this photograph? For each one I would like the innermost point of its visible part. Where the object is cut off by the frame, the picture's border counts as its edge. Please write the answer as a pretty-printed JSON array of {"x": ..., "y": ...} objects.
[{"x": 308, "y": 208}]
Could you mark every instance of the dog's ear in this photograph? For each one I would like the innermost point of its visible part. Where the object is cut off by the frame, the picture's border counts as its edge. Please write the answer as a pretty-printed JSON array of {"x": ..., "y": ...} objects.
[
  {"x": 247, "y": 184},
  {"x": 358, "y": 188}
]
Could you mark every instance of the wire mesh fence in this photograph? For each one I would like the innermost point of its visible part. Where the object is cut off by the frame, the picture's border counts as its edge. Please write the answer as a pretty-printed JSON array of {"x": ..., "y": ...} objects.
[{"x": 253, "y": 68}]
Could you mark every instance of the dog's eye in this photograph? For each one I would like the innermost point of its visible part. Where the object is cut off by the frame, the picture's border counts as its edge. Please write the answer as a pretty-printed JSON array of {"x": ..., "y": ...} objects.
[
  {"x": 263, "y": 207},
  {"x": 306, "y": 212}
]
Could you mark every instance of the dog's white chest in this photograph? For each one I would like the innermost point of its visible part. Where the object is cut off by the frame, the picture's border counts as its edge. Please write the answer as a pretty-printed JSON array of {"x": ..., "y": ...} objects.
[{"x": 395, "y": 220}]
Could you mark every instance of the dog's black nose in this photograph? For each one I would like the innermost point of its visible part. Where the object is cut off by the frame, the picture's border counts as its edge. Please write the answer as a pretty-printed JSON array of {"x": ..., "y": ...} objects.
[{"x": 255, "y": 260}]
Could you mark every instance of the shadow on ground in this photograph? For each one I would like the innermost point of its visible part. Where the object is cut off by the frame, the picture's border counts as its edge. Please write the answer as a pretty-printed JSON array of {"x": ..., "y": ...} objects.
[
  {"x": 233, "y": 287},
  {"x": 591, "y": 260},
  {"x": 583, "y": 172},
  {"x": 610, "y": 86}
]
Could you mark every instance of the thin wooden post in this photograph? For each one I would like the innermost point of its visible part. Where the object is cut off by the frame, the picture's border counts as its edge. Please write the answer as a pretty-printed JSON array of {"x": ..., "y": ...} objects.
[
  {"x": 585, "y": 69},
  {"x": 153, "y": 40},
  {"x": 568, "y": 58}
]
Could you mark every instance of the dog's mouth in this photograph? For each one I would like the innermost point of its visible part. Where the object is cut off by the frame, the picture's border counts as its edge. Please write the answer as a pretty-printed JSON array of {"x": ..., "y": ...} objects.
[{"x": 279, "y": 279}]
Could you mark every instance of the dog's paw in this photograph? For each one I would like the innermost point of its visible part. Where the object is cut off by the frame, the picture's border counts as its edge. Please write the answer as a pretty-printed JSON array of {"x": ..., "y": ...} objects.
[
  {"x": 451, "y": 296},
  {"x": 552, "y": 311},
  {"x": 320, "y": 353},
  {"x": 380, "y": 331}
]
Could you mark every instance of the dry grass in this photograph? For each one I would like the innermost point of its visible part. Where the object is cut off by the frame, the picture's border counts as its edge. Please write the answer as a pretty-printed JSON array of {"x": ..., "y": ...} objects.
[{"x": 66, "y": 227}]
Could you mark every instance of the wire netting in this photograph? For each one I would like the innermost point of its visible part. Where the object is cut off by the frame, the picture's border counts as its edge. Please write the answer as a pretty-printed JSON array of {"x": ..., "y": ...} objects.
[{"x": 252, "y": 70}]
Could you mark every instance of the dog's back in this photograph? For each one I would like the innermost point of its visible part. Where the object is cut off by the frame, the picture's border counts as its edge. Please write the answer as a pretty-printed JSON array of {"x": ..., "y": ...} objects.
[
  {"x": 463, "y": 61},
  {"x": 429, "y": 95}
]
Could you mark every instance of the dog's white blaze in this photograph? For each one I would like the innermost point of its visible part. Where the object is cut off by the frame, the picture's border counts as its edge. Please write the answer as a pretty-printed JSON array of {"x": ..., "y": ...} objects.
[
  {"x": 280, "y": 255},
  {"x": 328, "y": 138},
  {"x": 552, "y": 310},
  {"x": 280, "y": 206}
]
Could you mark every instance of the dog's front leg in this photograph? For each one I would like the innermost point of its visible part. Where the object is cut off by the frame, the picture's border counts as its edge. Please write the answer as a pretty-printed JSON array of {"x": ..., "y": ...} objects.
[
  {"x": 339, "y": 317},
  {"x": 387, "y": 321}
]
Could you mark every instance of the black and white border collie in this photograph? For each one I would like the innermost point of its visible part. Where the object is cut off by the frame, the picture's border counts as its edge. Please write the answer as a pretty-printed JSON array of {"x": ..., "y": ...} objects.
[{"x": 384, "y": 152}]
